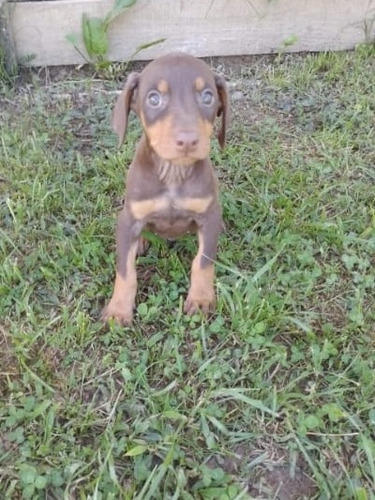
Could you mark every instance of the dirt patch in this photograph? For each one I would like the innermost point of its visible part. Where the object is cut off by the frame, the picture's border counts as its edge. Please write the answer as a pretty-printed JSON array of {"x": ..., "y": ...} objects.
[
  {"x": 272, "y": 478},
  {"x": 280, "y": 484}
]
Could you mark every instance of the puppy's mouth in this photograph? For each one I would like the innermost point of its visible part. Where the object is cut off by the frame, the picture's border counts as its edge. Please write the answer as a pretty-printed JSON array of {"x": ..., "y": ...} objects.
[
  {"x": 180, "y": 156},
  {"x": 180, "y": 159},
  {"x": 189, "y": 156},
  {"x": 183, "y": 161}
]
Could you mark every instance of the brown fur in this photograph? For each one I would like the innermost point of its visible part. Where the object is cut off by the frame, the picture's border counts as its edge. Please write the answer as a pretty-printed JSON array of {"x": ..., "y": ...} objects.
[{"x": 171, "y": 187}]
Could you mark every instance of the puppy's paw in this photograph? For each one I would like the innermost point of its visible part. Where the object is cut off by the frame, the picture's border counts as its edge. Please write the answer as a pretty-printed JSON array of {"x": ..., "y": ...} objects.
[
  {"x": 199, "y": 302},
  {"x": 118, "y": 311}
]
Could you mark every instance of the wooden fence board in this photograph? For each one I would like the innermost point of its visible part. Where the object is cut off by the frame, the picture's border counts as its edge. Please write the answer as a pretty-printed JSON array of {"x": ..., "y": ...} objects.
[{"x": 201, "y": 27}]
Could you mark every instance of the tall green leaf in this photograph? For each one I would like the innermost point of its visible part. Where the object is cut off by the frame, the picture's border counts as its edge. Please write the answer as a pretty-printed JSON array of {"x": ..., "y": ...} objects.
[
  {"x": 118, "y": 7},
  {"x": 95, "y": 38}
]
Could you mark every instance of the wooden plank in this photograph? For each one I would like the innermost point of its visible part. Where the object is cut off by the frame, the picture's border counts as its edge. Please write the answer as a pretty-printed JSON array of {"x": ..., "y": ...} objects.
[
  {"x": 8, "y": 53},
  {"x": 201, "y": 27}
]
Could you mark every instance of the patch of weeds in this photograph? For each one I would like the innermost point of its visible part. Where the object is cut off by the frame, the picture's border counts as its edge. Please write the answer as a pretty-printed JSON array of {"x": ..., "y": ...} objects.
[
  {"x": 94, "y": 33},
  {"x": 8, "y": 72},
  {"x": 270, "y": 396}
]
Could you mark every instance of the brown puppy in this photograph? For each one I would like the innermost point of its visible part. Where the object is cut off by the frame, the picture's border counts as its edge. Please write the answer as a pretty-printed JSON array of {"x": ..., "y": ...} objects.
[{"x": 171, "y": 187}]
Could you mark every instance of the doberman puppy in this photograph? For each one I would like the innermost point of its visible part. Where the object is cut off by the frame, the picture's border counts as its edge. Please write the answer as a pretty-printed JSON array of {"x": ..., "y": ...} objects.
[{"x": 171, "y": 187}]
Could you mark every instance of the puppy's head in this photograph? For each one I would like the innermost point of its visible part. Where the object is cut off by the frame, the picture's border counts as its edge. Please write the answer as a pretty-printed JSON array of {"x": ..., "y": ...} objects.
[{"x": 177, "y": 98}]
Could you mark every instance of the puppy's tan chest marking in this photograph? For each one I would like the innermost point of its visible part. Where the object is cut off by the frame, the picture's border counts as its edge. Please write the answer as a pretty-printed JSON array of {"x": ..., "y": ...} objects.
[
  {"x": 196, "y": 205},
  {"x": 142, "y": 209},
  {"x": 171, "y": 204}
]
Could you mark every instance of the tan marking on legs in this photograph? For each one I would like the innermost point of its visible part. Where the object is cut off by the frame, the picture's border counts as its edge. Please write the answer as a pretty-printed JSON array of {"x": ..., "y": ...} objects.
[
  {"x": 121, "y": 305},
  {"x": 201, "y": 294}
]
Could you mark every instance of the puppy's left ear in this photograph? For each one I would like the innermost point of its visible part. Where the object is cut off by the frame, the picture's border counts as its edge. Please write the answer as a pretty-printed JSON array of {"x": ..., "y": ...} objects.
[{"x": 223, "y": 110}]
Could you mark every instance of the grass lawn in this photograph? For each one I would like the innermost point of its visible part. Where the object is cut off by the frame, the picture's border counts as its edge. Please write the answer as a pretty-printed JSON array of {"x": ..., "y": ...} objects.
[{"x": 274, "y": 395}]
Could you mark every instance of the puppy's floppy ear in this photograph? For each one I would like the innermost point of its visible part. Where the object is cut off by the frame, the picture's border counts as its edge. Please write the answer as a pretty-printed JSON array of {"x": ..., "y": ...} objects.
[
  {"x": 223, "y": 110},
  {"x": 124, "y": 103}
]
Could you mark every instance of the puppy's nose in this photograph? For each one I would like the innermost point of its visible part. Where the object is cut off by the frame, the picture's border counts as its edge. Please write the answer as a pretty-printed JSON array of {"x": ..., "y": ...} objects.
[{"x": 187, "y": 140}]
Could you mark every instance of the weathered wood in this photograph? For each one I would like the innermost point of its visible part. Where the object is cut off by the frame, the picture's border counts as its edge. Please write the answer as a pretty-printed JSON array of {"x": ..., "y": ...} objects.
[
  {"x": 8, "y": 53},
  {"x": 201, "y": 27}
]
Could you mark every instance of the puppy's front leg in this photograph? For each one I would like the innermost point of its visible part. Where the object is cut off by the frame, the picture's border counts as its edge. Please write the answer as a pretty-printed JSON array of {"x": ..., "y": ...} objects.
[
  {"x": 201, "y": 294},
  {"x": 121, "y": 305}
]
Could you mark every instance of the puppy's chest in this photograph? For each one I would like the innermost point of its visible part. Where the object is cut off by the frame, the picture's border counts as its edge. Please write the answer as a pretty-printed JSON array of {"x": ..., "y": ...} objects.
[{"x": 170, "y": 204}]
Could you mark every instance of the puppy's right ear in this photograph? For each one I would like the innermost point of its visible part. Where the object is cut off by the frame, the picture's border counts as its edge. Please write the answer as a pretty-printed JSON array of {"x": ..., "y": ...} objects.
[
  {"x": 223, "y": 110},
  {"x": 124, "y": 103}
]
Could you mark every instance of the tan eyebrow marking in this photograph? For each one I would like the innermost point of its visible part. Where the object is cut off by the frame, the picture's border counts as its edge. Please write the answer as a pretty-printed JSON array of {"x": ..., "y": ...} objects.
[
  {"x": 199, "y": 83},
  {"x": 163, "y": 86}
]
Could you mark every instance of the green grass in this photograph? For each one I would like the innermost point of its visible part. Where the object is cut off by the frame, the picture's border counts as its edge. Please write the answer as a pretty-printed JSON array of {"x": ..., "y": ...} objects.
[{"x": 277, "y": 389}]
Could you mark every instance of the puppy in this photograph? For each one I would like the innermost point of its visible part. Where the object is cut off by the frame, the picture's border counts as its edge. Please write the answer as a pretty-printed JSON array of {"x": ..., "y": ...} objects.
[{"x": 171, "y": 188}]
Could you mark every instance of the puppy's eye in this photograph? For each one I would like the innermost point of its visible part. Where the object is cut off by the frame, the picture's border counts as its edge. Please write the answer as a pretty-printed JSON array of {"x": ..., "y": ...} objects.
[
  {"x": 154, "y": 99},
  {"x": 207, "y": 97}
]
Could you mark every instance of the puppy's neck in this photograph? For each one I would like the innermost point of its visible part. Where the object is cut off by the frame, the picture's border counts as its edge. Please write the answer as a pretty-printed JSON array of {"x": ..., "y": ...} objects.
[{"x": 171, "y": 174}]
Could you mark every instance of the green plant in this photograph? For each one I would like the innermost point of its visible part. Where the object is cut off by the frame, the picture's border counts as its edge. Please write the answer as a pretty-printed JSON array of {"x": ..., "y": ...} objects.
[
  {"x": 369, "y": 27},
  {"x": 94, "y": 33},
  {"x": 8, "y": 72}
]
